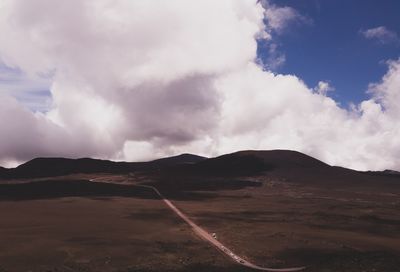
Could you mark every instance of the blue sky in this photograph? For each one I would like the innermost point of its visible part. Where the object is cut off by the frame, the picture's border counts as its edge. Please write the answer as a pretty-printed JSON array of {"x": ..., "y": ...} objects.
[
  {"x": 32, "y": 91},
  {"x": 330, "y": 46}
]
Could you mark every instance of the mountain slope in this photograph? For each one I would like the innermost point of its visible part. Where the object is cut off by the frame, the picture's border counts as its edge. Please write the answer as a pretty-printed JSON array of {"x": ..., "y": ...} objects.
[
  {"x": 179, "y": 159},
  {"x": 255, "y": 162},
  {"x": 282, "y": 165},
  {"x": 47, "y": 167},
  {"x": 279, "y": 165},
  {"x": 3, "y": 170},
  {"x": 44, "y": 167},
  {"x": 286, "y": 159}
]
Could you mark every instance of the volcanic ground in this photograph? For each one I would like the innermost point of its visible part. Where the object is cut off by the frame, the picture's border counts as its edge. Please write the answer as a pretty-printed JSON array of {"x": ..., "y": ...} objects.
[{"x": 274, "y": 208}]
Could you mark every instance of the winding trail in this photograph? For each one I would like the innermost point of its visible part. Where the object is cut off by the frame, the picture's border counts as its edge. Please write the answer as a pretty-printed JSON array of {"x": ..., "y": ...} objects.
[{"x": 206, "y": 236}]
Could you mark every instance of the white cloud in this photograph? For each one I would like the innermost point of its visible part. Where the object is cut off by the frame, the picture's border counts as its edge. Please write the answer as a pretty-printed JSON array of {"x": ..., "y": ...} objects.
[
  {"x": 323, "y": 87},
  {"x": 25, "y": 134},
  {"x": 381, "y": 34},
  {"x": 281, "y": 112},
  {"x": 280, "y": 18},
  {"x": 274, "y": 60},
  {"x": 277, "y": 21},
  {"x": 132, "y": 70},
  {"x": 387, "y": 92},
  {"x": 142, "y": 79}
]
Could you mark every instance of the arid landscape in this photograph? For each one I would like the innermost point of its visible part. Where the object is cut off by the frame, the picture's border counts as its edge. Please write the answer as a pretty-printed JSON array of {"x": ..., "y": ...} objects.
[
  {"x": 199, "y": 136},
  {"x": 275, "y": 209}
]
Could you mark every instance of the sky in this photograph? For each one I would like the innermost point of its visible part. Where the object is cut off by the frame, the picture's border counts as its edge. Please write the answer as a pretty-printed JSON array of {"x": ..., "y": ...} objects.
[
  {"x": 134, "y": 80},
  {"x": 327, "y": 43}
]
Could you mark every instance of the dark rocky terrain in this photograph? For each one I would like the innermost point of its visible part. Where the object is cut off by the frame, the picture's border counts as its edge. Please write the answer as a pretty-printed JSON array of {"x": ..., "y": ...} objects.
[
  {"x": 49, "y": 167},
  {"x": 275, "y": 208}
]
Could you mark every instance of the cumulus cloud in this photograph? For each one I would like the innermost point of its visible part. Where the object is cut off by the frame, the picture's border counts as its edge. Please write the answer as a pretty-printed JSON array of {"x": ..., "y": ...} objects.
[
  {"x": 284, "y": 113},
  {"x": 381, "y": 34},
  {"x": 25, "y": 134},
  {"x": 132, "y": 70},
  {"x": 137, "y": 80},
  {"x": 279, "y": 18},
  {"x": 323, "y": 87}
]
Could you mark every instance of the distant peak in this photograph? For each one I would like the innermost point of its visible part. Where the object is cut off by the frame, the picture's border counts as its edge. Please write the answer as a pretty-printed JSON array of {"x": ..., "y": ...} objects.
[{"x": 179, "y": 159}]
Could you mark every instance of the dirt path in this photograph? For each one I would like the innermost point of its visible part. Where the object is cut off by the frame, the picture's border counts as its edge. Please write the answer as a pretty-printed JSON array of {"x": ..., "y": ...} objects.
[{"x": 206, "y": 236}]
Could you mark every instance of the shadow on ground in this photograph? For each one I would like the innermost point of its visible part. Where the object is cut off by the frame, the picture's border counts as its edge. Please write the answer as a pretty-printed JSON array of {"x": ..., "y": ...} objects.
[{"x": 50, "y": 189}]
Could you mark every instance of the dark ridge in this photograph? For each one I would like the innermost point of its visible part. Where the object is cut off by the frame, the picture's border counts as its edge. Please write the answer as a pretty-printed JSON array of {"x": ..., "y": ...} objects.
[
  {"x": 282, "y": 165},
  {"x": 235, "y": 164},
  {"x": 4, "y": 172},
  {"x": 51, "y": 167},
  {"x": 70, "y": 188},
  {"x": 244, "y": 163},
  {"x": 179, "y": 159},
  {"x": 385, "y": 173},
  {"x": 285, "y": 158},
  {"x": 46, "y": 167}
]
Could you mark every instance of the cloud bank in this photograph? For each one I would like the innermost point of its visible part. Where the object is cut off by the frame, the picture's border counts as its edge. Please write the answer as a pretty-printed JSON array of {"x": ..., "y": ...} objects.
[
  {"x": 279, "y": 18},
  {"x": 136, "y": 80},
  {"x": 381, "y": 34}
]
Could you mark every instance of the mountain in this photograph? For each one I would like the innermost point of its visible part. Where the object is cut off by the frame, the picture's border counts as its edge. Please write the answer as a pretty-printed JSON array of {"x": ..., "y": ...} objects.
[
  {"x": 43, "y": 167},
  {"x": 387, "y": 173},
  {"x": 47, "y": 167},
  {"x": 296, "y": 167},
  {"x": 3, "y": 170},
  {"x": 282, "y": 165},
  {"x": 286, "y": 159},
  {"x": 253, "y": 162},
  {"x": 179, "y": 159}
]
